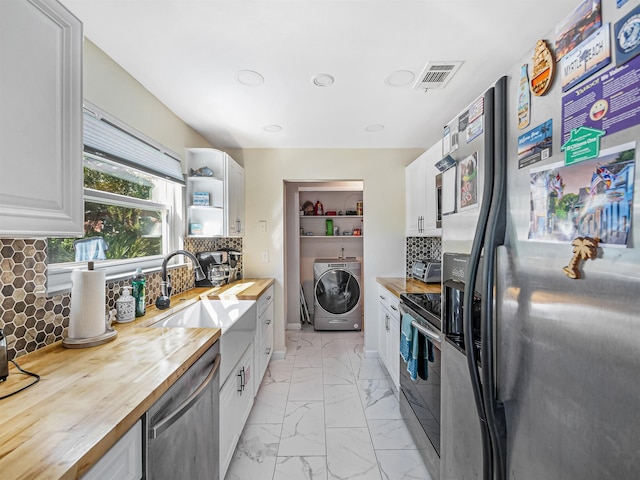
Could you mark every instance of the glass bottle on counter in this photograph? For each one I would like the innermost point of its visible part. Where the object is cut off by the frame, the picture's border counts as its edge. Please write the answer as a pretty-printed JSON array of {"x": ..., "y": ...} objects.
[{"x": 139, "y": 287}]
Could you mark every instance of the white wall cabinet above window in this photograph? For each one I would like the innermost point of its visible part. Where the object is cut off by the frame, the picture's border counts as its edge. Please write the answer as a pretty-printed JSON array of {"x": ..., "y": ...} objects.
[
  {"x": 40, "y": 120},
  {"x": 215, "y": 194},
  {"x": 422, "y": 194}
]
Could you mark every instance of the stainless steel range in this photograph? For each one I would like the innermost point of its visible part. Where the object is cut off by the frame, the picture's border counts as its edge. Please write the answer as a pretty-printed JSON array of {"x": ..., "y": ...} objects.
[{"x": 420, "y": 397}]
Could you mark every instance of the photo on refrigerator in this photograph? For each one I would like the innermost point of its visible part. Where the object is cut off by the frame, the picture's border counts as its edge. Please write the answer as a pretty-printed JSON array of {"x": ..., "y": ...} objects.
[{"x": 592, "y": 198}]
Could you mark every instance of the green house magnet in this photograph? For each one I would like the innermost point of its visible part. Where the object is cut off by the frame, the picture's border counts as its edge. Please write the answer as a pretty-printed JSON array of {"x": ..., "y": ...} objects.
[{"x": 583, "y": 144}]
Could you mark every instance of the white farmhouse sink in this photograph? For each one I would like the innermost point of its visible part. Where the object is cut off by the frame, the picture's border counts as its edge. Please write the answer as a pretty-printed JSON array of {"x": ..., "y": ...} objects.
[{"x": 236, "y": 318}]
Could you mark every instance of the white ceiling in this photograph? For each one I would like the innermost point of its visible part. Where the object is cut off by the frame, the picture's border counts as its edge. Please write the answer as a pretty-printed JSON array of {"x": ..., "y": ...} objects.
[{"x": 188, "y": 54}]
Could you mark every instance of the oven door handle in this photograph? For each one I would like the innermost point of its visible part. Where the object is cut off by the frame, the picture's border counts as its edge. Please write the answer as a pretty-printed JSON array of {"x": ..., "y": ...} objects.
[{"x": 433, "y": 336}]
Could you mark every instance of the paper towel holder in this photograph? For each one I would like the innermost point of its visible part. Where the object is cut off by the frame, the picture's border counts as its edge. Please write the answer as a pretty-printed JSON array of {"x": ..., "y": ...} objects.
[{"x": 108, "y": 335}]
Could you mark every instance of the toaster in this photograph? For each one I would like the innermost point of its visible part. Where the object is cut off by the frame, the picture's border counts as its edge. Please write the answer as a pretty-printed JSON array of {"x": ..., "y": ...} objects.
[{"x": 427, "y": 270}]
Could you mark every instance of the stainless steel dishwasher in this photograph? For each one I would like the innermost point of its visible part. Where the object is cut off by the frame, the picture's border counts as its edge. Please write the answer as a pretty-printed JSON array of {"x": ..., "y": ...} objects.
[{"x": 182, "y": 427}]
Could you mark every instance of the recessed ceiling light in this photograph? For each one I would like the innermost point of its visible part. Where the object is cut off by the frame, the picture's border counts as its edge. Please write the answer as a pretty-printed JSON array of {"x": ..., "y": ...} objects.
[
  {"x": 323, "y": 80},
  {"x": 250, "y": 78},
  {"x": 273, "y": 128},
  {"x": 399, "y": 78},
  {"x": 376, "y": 127}
]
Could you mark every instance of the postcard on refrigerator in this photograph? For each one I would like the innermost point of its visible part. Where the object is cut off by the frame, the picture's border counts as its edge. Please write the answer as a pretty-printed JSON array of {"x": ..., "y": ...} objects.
[
  {"x": 469, "y": 181},
  {"x": 586, "y": 59},
  {"x": 535, "y": 145},
  {"x": 577, "y": 26},
  {"x": 593, "y": 198}
]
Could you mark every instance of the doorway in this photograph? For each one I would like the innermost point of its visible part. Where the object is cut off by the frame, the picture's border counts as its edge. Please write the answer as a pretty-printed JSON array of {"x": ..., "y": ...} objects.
[{"x": 337, "y": 232}]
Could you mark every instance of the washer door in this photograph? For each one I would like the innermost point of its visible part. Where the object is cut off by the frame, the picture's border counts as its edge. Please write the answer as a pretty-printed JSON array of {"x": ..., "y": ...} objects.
[{"x": 337, "y": 291}]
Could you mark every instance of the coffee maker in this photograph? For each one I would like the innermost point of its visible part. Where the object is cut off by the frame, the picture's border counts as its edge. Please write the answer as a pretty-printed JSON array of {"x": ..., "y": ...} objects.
[{"x": 220, "y": 267}]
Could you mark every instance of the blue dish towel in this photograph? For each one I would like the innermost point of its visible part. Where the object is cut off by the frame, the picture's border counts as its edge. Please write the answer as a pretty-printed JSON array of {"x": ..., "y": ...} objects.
[
  {"x": 412, "y": 364},
  {"x": 425, "y": 355},
  {"x": 406, "y": 337}
]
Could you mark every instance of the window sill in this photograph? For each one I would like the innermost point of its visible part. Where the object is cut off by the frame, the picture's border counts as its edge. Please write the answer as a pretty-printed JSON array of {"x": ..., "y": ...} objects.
[{"x": 59, "y": 275}]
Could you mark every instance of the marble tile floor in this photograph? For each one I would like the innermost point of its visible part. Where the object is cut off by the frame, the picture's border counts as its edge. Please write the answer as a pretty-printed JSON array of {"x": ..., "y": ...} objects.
[{"x": 325, "y": 413}]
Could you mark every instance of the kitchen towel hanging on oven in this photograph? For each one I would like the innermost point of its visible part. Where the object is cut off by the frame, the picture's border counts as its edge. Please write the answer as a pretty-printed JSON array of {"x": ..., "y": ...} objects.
[
  {"x": 406, "y": 337},
  {"x": 412, "y": 364},
  {"x": 425, "y": 355}
]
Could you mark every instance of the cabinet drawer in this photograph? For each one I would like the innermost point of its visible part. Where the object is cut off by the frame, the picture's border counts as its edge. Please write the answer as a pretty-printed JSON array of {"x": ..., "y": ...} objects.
[
  {"x": 265, "y": 299},
  {"x": 265, "y": 321},
  {"x": 389, "y": 300},
  {"x": 123, "y": 461}
]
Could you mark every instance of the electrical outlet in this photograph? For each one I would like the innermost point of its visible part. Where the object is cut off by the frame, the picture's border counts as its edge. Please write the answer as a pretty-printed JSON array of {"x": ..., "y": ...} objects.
[
  {"x": 263, "y": 226},
  {"x": 264, "y": 254}
]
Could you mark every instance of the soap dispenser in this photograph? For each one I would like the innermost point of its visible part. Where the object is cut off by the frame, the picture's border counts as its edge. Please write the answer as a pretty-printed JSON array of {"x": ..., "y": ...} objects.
[{"x": 126, "y": 306}]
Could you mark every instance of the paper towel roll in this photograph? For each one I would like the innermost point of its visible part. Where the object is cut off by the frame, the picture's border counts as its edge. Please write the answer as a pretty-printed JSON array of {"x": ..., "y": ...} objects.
[{"x": 87, "y": 315}]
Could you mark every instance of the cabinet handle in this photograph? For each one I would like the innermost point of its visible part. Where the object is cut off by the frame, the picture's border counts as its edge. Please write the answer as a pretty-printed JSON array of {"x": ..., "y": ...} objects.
[
  {"x": 268, "y": 322},
  {"x": 382, "y": 297},
  {"x": 393, "y": 307},
  {"x": 241, "y": 375},
  {"x": 156, "y": 431},
  {"x": 268, "y": 298},
  {"x": 268, "y": 351},
  {"x": 386, "y": 322}
]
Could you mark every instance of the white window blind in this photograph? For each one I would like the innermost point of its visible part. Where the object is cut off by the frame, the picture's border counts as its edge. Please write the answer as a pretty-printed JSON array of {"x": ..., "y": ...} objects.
[{"x": 104, "y": 138}]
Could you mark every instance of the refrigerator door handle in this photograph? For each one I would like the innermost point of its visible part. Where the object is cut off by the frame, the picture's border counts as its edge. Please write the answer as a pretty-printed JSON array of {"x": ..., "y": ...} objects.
[
  {"x": 470, "y": 283},
  {"x": 493, "y": 238}
]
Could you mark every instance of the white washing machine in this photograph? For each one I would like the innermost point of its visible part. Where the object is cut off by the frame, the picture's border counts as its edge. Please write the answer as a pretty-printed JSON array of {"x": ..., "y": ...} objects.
[{"x": 337, "y": 294}]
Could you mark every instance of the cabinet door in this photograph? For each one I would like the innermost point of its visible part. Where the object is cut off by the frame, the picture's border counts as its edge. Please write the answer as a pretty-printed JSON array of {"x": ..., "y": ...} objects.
[
  {"x": 229, "y": 431},
  {"x": 415, "y": 197},
  {"x": 236, "y": 400},
  {"x": 245, "y": 390},
  {"x": 235, "y": 198},
  {"x": 394, "y": 349},
  {"x": 264, "y": 350},
  {"x": 431, "y": 194},
  {"x": 383, "y": 335},
  {"x": 40, "y": 120},
  {"x": 123, "y": 461}
]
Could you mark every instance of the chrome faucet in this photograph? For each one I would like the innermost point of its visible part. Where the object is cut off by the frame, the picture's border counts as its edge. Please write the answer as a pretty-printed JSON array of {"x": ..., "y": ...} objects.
[{"x": 164, "y": 300}]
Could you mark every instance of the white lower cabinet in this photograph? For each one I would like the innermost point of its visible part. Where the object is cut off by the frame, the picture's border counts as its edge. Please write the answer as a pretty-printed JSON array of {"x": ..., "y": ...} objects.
[
  {"x": 389, "y": 334},
  {"x": 236, "y": 400},
  {"x": 264, "y": 336},
  {"x": 123, "y": 461}
]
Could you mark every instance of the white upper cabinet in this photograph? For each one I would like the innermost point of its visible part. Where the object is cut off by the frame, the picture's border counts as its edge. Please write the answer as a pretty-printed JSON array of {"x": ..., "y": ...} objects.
[
  {"x": 215, "y": 194},
  {"x": 422, "y": 194},
  {"x": 40, "y": 120},
  {"x": 415, "y": 197},
  {"x": 235, "y": 198}
]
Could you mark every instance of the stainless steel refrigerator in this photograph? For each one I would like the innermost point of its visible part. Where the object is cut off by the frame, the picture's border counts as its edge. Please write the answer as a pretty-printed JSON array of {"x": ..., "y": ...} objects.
[{"x": 559, "y": 382}]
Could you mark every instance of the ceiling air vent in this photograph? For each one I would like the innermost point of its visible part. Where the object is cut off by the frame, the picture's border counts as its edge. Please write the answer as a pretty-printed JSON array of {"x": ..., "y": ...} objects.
[{"x": 436, "y": 75}]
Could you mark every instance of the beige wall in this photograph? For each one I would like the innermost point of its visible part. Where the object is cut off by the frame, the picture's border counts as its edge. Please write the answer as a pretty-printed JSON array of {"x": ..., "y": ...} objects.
[
  {"x": 112, "y": 89},
  {"x": 382, "y": 171}
]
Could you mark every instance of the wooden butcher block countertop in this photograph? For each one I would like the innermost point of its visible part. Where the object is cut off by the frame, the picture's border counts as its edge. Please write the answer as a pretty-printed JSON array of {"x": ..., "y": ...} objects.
[
  {"x": 397, "y": 285},
  {"x": 87, "y": 398},
  {"x": 245, "y": 289}
]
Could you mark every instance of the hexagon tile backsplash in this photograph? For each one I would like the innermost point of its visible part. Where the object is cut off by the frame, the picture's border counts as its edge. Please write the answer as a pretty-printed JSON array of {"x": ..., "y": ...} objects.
[
  {"x": 33, "y": 321},
  {"x": 422, "y": 247}
]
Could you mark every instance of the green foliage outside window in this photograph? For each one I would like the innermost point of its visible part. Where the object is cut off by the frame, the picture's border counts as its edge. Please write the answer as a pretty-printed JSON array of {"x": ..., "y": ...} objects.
[{"x": 128, "y": 232}]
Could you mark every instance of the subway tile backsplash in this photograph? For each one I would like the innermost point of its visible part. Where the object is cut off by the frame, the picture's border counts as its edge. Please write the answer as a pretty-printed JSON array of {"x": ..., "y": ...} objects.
[
  {"x": 31, "y": 322},
  {"x": 422, "y": 247}
]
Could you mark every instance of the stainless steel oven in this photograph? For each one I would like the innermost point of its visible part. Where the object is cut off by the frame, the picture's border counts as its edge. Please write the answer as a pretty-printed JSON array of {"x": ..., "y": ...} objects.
[{"x": 420, "y": 398}]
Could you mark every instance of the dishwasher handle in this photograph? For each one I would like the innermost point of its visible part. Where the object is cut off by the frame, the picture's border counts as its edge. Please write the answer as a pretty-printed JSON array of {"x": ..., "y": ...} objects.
[{"x": 173, "y": 417}]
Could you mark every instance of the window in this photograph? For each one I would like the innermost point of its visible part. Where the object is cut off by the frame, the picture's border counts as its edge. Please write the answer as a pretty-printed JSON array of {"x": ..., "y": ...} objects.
[{"x": 133, "y": 193}]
